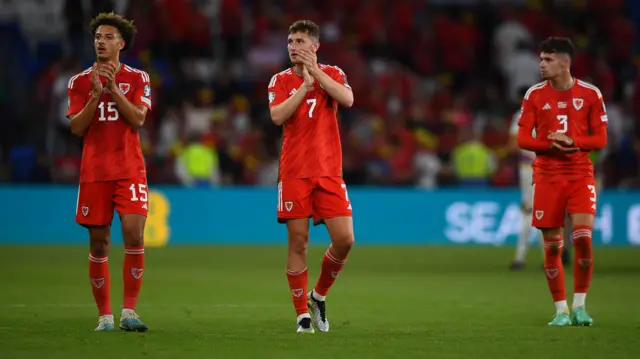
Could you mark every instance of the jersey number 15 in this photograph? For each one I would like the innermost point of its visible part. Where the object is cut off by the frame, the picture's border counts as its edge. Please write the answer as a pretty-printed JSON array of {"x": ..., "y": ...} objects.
[{"x": 108, "y": 111}]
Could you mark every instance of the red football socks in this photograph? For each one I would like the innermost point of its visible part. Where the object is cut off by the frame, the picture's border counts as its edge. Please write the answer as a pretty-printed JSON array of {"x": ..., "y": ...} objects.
[
  {"x": 553, "y": 268},
  {"x": 132, "y": 271},
  {"x": 331, "y": 267},
  {"x": 583, "y": 263},
  {"x": 298, "y": 285},
  {"x": 100, "y": 283}
]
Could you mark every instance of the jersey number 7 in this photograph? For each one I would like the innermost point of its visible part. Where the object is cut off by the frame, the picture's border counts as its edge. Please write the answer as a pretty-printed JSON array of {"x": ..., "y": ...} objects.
[{"x": 312, "y": 105}]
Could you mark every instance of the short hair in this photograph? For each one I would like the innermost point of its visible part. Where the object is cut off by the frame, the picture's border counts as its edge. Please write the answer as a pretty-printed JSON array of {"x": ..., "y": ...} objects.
[
  {"x": 558, "y": 45},
  {"x": 125, "y": 27},
  {"x": 307, "y": 26}
]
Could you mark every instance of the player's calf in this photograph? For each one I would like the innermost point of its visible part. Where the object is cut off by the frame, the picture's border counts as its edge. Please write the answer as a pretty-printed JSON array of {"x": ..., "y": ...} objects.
[
  {"x": 554, "y": 270},
  {"x": 99, "y": 275},
  {"x": 297, "y": 274},
  {"x": 582, "y": 271},
  {"x": 133, "y": 267}
]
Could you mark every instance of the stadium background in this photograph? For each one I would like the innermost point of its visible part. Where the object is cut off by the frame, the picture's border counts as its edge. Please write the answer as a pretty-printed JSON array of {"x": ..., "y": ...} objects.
[
  {"x": 426, "y": 161},
  {"x": 436, "y": 85}
]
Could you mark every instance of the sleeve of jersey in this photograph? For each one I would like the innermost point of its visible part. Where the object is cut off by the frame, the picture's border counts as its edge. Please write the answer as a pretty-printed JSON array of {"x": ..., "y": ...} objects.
[
  {"x": 75, "y": 97},
  {"x": 598, "y": 121},
  {"x": 526, "y": 123},
  {"x": 142, "y": 94},
  {"x": 340, "y": 77},
  {"x": 277, "y": 93}
]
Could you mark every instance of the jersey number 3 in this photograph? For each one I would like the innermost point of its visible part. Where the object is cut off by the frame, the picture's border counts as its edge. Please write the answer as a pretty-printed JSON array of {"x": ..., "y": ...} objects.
[
  {"x": 108, "y": 111},
  {"x": 563, "y": 119}
]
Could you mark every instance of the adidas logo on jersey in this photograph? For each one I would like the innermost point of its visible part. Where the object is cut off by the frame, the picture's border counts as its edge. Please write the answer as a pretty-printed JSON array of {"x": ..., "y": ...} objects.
[{"x": 546, "y": 107}]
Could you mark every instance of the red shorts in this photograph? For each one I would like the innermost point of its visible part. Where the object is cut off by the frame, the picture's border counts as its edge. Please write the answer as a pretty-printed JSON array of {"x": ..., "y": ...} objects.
[
  {"x": 317, "y": 197},
  {"x": 97, "y": 200},
  {"x": 551, "y": 201}
]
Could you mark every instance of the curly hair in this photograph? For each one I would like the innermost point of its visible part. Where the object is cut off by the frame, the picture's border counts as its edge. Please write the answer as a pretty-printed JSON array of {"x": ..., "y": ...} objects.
[{"x": 125, "y": 27}]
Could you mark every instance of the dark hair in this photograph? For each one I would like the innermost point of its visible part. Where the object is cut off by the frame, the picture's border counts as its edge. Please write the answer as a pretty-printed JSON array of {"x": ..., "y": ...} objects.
[
  {"x": 557, "y": 45},
  {"x": 308, "y": 26},
  {"x": 125, "y": 27}
]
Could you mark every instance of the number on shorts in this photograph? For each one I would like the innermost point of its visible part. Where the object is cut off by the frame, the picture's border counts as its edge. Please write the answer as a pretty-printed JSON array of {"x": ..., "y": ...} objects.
[
  {"x": 592, "y": 189},
  {"x": 312, "y": 103},
  {"x": 138, "y": 193},
  {"x": 346, "y": 195},
  {"x": 111, "y": 111},
  {"x": 564, "y": 122}
]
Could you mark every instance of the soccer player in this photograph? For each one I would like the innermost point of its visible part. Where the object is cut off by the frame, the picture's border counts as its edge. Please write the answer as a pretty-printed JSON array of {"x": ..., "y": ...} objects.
[
  {"x": 107, "y": 105},
  {"x": 304, "y": 100},
  {"x": 570, "y": 119}
]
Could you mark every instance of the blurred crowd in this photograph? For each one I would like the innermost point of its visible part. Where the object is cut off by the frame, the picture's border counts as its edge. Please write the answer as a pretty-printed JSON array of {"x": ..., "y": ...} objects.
[{"x": 436, "y": 84}]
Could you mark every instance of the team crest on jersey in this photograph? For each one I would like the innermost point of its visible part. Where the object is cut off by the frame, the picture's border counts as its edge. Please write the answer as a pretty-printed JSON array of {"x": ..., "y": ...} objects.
[
  {"x": 124, "y": 87},
  {"x": 147, "y": 90},
  {"x": 85, "y": 210},
  {"x": 137, "y": 272},
  {"x": 97, "y": 282},
  {"x": 577, "y": 103},
  {"x": 539, "y": 214},
  {"x": 288, "y": 205},
  {"x": 272, "y": 96}
]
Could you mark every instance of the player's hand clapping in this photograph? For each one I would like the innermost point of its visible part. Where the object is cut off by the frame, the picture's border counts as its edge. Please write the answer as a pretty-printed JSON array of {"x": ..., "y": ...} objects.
[
  {"x": 309, "y": 59},
  {"x": 562, "y": 142},
  {"x": 308, "y": 79},
  {"x": 96, "y": 85},
  {"x": 108, "y": 70}
]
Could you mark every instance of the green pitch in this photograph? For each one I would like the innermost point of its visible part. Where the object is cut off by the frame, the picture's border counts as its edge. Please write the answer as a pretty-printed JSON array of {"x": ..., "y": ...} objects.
[{"x": 389, "y": 302}]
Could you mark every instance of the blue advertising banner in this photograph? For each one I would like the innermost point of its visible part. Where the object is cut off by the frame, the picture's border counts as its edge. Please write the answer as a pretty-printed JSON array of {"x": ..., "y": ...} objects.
[{"x": 246, "y": 215}]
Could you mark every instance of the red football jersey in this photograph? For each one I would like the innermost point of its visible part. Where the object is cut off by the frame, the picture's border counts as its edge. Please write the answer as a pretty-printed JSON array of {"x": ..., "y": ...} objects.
[
  {"x": 311, "y": 139},
  {"x": 577, "y": 112},
  {"x": 111, "y": 148}
]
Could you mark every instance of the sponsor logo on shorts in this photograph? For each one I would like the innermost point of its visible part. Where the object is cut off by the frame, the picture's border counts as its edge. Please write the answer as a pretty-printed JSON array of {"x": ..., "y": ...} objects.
[
  {"x": 97, "y": 282},
  {"x": 137, "y": 272},
  {"x": 85, "y": 210},
  {"x": 288, "y": 205},
  {"x": 539, "y": 215}
]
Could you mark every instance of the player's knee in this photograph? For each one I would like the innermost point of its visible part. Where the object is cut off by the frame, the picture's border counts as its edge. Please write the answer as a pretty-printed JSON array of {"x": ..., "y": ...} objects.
[
  {"x": 133, "y": 237},
  {"x": 99, "y": 239},
  {"x": 554, "y": 245},
  {"x": 298, "y": 242},
  {"x": 343, "y": 242}
]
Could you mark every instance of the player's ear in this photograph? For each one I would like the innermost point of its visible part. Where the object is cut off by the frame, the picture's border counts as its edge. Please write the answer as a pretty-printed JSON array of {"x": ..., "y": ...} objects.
[{"x": 316, "y": 46}]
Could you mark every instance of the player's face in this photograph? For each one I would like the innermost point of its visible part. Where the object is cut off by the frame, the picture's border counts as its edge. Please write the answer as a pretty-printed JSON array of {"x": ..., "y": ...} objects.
[
  {"x": 300, "y": 41},
  {"x": 551, "y": 65},
  {"x": 107, "y": 42}
]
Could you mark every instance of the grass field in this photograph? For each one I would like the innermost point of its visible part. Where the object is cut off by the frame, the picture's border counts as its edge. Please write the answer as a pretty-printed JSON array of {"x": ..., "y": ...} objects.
[{"x": 389, "y": 302}]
